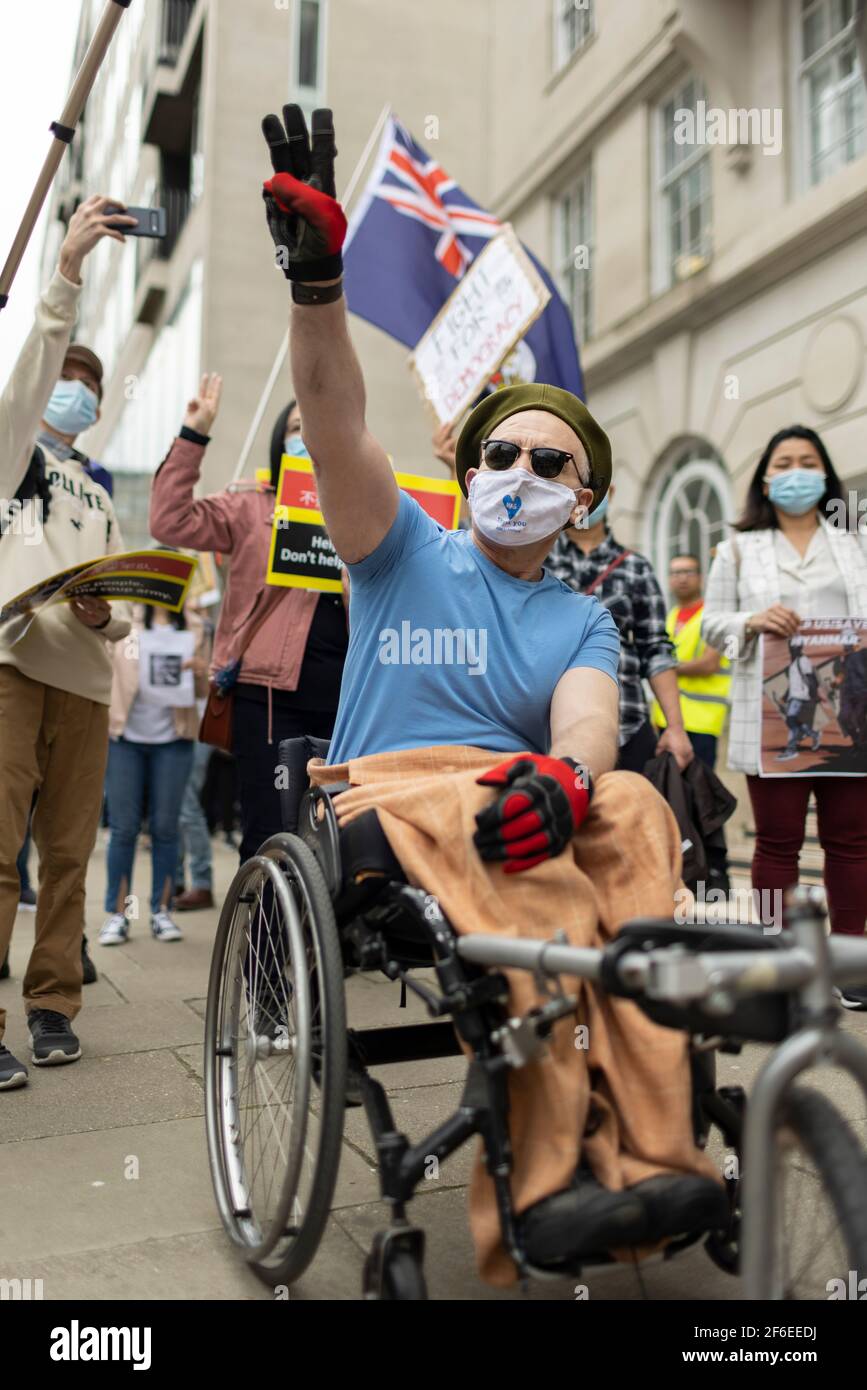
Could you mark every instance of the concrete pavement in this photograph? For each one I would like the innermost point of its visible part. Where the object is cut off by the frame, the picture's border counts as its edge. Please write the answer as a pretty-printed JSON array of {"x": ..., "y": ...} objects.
[{"x": 103, "y": 1168}]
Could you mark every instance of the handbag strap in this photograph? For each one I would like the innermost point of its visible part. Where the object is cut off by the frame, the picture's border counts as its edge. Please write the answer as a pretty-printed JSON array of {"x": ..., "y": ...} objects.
[
  {"x": 605, "y": 573},
  {"x": 250, "y": 635}
]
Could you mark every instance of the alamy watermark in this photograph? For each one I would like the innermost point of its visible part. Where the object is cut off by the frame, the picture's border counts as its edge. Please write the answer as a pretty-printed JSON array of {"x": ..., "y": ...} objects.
[
  {"x": 437, "y": 646},
  {"x": 20, "y": 1290},
  {"x": 22, "y": 518},
  {"x": 712, "y": 125},
  {"x": 739, "y": 905}
]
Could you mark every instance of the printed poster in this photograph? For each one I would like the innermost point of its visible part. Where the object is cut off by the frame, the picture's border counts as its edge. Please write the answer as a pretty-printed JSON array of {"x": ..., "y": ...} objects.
[
  {"x": 302, "y": 556},
  {"x": 495, "y": 302},
  {"x": 814, "y": 700},
  {"x": 160, "y": 577},
  {"x": 163, "y": 679}
]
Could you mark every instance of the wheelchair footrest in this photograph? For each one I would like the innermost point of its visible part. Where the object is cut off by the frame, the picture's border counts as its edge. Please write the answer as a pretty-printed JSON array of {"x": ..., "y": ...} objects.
[{"x": 586, "y": 1218}]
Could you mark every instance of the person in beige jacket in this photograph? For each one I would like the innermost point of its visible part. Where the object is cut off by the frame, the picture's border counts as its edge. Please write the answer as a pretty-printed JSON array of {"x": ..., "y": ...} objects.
[{"x": 55, "y": 682}]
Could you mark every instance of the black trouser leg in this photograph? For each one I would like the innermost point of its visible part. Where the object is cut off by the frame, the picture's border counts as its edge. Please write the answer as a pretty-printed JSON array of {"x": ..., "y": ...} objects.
[
  {"x": 638, "y": 750},
  {"x": 257, "y": 760}
]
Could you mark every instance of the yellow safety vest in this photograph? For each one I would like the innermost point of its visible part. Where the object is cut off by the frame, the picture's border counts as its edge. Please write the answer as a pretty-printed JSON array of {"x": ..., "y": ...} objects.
[{"x": 703, "y": 699}]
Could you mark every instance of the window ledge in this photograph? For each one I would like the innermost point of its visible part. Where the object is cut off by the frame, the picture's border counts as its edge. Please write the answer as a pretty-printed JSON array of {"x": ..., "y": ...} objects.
[{"x": 561, "y": 72}]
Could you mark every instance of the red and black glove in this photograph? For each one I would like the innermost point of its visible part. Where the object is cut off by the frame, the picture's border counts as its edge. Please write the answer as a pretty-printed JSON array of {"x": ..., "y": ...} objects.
[
  {"x": 546, "y": 801},
  {"x": 306, "y": 221}
]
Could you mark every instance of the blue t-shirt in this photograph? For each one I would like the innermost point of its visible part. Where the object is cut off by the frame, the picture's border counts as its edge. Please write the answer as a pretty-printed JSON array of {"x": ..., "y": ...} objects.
[{"x": 445, "y": 647}]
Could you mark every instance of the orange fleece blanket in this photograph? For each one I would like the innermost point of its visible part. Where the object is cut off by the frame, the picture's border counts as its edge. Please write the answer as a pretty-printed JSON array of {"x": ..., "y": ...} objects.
[{"x": 612, "y": 1084}]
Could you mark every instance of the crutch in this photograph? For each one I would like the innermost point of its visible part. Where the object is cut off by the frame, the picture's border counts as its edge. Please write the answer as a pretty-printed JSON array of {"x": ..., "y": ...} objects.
[{"x": 63, "y": 131}]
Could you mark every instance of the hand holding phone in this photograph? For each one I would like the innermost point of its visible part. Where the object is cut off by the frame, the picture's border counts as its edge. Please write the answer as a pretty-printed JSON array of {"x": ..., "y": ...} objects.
[{"x": 149, "y": 222}]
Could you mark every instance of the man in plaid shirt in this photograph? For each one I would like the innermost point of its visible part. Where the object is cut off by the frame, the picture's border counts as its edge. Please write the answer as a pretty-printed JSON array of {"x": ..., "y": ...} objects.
[{"x": 591, "y": 560}]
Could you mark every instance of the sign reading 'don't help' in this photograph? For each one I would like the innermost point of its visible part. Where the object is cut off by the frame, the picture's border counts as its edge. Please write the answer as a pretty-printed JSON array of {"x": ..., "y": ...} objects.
[
  {"x": 495, "y": 302},
  {"x": 302, "y": 556}
]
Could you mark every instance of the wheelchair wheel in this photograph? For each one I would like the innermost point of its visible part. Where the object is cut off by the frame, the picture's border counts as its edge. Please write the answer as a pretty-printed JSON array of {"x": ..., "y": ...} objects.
[
  {"x": 820, "y": 1199},
  {"x": 275, "y": 1059}
]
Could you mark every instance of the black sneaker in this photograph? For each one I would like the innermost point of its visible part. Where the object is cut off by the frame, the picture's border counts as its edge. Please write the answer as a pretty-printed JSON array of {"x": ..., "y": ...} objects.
[
  {"x": 12, "y": 1072},
  {"x": 53, "y": 1039},
  {"x": 27, "y": 900},
  {"x": 4, "y": 968},
  {"x": 88, "y": 969},
  {"x": 852, "y": 998}
]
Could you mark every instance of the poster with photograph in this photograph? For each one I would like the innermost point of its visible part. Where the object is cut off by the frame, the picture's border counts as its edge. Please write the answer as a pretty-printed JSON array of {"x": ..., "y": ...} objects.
[
  {"x": 814, "y": 701},
  {"x": 162, "y": 654}
]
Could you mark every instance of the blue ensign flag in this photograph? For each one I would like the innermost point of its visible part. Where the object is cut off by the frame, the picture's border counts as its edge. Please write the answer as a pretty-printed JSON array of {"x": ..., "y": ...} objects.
[{"x": 410, "y": 239}]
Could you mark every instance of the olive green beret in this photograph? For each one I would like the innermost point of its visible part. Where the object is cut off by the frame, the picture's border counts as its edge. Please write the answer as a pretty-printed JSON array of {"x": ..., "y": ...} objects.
[{"x": 508, "y": 400}]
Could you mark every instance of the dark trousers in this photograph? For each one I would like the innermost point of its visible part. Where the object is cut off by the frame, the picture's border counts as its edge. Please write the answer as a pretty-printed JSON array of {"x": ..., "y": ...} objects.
[
  {"x": 638, "y": 749},
  {"x": 257, "y": 760},
  {"x": 780, "y": 813},
  {"x": 705, "y": 748}
]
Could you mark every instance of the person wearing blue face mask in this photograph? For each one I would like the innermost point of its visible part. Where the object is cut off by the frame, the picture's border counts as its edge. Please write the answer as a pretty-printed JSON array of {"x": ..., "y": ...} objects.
[
  {"x": 788, "y": 563},
  {"x": 55, "y": 682}
]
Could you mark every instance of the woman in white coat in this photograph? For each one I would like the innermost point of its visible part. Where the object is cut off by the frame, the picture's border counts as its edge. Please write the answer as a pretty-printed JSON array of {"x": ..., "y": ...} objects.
[{"x": 792, "y": 558}]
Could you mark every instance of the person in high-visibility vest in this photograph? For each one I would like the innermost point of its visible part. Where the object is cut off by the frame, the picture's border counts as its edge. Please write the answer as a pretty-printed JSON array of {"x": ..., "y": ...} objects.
[{"x": 702, "y": 672}]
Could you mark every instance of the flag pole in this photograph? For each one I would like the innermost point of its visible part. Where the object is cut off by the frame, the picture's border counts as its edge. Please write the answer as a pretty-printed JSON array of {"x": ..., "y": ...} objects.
[
  {"x": 283, "y": 349},
  {"x": 63, "y": 131}
]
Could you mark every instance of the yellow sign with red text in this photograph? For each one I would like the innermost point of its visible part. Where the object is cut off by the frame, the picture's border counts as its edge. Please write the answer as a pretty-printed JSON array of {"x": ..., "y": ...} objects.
[{"x": 302, "y": 556}]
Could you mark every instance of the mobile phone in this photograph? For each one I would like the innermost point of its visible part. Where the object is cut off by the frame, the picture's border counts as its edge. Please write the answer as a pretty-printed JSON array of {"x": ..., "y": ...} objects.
[{"x": 149, "y": 221}]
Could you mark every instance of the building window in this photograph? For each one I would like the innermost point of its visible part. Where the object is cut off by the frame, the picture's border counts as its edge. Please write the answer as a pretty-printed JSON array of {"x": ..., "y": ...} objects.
[
  {"x": 693, "y": 506},
  {"x": 574, "y": 254},
  {"x": 832, "y": 87},
  {"x": 573, "y": 26},
  {"x": 308, "y": 55},
  {"x": 683, "y": 239}
]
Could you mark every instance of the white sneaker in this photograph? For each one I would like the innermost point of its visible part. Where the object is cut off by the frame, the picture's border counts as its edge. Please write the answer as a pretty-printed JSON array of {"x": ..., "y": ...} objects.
[
  {"x": 114, "y": 930},
  {"x": 163, "y": 928}
]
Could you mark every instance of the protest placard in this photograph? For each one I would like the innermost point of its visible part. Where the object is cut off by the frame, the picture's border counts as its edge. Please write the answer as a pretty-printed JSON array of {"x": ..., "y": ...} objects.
[
  {"x": 160, "y": 577},
  {"x": 302, "y": 556},
  {"x": 494, "y": 304},
  {"x": 165, "y": 675},
  {"x": 814, "y": 701}
]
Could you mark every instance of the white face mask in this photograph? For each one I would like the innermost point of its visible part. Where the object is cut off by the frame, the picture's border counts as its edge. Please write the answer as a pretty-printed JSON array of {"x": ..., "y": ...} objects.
[{"x": 514, "y": 507}]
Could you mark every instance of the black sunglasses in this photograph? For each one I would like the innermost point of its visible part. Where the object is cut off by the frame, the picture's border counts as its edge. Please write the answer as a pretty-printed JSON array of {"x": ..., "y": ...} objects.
[{"x": 546, "y": 463}]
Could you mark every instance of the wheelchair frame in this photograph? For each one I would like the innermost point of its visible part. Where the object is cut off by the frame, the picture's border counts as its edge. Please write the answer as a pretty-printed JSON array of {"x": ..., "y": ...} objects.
[{"x": 723, "y": 995}]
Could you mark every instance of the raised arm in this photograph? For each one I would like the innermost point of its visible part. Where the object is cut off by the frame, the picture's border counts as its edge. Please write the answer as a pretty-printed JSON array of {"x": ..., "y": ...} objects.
[
  {"x": 35, "y": 374},
  {"x": 177, "y": 517},
  {"x": 356, "y": 486}
]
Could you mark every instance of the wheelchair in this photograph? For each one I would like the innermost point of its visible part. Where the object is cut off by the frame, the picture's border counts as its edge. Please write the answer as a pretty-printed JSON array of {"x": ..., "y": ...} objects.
[{"x": 319, "y": 903}]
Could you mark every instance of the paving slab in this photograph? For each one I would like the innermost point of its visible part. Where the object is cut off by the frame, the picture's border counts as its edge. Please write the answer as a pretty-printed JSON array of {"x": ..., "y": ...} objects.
[
  {"x": 112, "y": 1028},
  {"x": 98, "y": 1094},
  {"x": 199, "y": 1266},
  {"x": 417, "y": 1112}
]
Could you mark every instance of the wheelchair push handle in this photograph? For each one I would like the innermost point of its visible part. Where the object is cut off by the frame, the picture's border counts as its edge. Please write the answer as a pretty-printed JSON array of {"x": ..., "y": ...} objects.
[{"x": 675, "y": 973}]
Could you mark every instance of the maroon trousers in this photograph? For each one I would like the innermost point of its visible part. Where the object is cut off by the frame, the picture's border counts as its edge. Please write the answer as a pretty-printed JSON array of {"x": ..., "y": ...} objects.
[{"x": 780, "y": 813}]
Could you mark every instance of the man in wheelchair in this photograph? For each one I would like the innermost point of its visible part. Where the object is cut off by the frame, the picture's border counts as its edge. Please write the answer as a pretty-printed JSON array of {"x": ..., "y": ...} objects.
[{"x": 479, "y": 717}]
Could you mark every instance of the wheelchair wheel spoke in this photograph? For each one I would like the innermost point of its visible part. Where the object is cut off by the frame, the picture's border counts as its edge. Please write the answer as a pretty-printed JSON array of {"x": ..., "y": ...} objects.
[{"x": 275, "y": 1056}]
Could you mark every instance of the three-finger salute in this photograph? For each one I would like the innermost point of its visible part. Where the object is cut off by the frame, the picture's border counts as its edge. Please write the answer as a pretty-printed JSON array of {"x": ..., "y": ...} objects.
[{"x": 305, "y": 219}]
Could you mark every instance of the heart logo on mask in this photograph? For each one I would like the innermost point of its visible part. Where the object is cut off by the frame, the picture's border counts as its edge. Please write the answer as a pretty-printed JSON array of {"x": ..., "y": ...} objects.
[{"x": 512, "y": 505}]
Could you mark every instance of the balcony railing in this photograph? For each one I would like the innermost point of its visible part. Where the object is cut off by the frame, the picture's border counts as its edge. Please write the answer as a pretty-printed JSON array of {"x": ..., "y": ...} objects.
[
  {"x": 174, "y": 21},
  {"x": 176, "y": 202}
]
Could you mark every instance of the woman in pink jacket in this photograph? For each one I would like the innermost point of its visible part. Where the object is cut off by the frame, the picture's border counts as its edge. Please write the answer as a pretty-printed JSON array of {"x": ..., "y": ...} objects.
[{"x": 286, "y": 646}]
